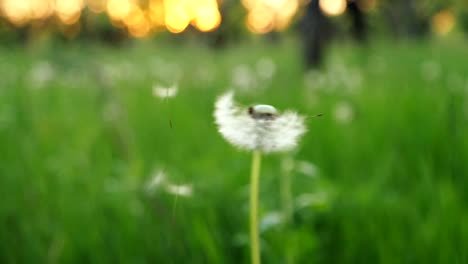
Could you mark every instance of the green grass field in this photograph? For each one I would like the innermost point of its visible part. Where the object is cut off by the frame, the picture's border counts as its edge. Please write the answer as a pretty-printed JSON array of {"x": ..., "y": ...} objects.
[{"x": 381, "y": 177}]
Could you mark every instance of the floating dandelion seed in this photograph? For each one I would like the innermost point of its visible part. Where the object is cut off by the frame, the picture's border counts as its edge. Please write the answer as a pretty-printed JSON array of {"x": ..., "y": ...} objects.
[
  {"x": 184, "y": 190},
  {"x": 259, "y": 127},
  {"x": 160, "y": 181},
  {"x": 262, "y": 129},
  {"x": 165, "y": 92},
  {"x": 344, "y": 112}
]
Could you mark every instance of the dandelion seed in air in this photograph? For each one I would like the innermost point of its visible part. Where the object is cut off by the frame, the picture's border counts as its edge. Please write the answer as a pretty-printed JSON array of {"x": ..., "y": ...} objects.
[{"x": 165, "y": 92}]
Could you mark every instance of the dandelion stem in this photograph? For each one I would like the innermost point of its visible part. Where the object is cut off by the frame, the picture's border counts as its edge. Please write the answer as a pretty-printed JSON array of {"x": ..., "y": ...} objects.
[
  {"x": 287, "y": 202},
  {"x": 254, "y": 181}
]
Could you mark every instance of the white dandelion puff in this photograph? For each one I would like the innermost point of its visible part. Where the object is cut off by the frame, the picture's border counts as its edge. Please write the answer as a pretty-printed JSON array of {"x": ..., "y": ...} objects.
[
  {"x": 184, "y": 190},
  {"x": 259, "y": 127},
  {"x": 344, "y": 112},
  {"x": 307, "y": 168},
  {"x": 271, "y": 220},
  {"x": 243, "y": 78},
  {"x": 41, "y": 73},
  {"x": 319, "y": 199},
  {"x": 158, "y": 179},
  {"x": 165, "y": 92},
  {"x": 266, "y": 68}
]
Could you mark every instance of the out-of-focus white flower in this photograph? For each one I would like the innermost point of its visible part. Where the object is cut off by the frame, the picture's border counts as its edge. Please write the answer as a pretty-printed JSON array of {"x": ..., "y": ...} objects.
[
  {"x": 271, "y": 220},
  {"x": 165, "y": 92},
  {"x": 259, "y": 127},
  {"x": 344, "y": 112},
  {"x": 158, "y": 179},
  {"x": 318, "y": 199},
  {"x": 243, "y": 77},
  {"x": 307, "y": 168},
  {"x": 266, "y": 68},
  {"x": 184, "y": 190},
  {"x": 315, "y": 80},
  {"x": 41, "y": 73}
]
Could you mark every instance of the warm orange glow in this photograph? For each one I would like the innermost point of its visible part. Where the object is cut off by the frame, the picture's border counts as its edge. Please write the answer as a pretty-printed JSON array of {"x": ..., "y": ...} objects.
[
  {"x": 267, "y": 15},
  {"x": 118, "y": 9},
  {"x": 260, "y": 20},
  {"x": 333, "y": 7},
  {"x": 139, "y": 17},
  {"x": 156, "y": 13},
  {"x": 177, "y": 16},
  {"x": 443, "y": 22},
  {"x": 68, "y": 11},
  {"x": 97, "y": 6},
  {"x": 18, "y": 12},
  {"x": 41, "y": 9},
  {"x": 140, "y": 29},
  {"x": 207, "y": 17}
]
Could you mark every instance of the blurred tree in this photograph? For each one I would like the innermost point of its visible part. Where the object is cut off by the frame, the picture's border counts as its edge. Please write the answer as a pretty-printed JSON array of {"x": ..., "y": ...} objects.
[
  {"x": 318, "y": 30},
  {"x": 316, "y": 33},
  {"x": 359, "y": 23}
]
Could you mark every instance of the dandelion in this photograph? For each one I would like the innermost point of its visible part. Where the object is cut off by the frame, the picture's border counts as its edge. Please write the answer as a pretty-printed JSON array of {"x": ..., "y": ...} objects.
[
  {"x": 261, "y": 129},
  {"x": 344, "y": 113},
  {"x": 165, "y": 92},
  {"x": 159, "y": 180},
  {"x": 41, "y": 73},
  {"x": 243, "y": 77},
  {"x": 270, "y": 220},
  {"x": 184, "y": 190},
  {"x": 266, "y": 68},
  {"x": 257, "y": 128},
  {"x": 319, "y": 199}
]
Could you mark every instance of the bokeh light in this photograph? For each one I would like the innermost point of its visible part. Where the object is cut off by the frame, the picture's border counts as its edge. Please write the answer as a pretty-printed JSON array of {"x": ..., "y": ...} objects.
[
  {"x": 443, "y": 22},
  {"x": 140, "y": 18},
  {"x": 264, "y": 16},
  {"x": 333, "y": 7}
]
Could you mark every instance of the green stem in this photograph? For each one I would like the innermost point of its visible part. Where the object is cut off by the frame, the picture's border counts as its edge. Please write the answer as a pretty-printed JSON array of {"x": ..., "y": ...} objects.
[
  {"x": 287, "y": 203},
  {"x": 254, "y": 180}
]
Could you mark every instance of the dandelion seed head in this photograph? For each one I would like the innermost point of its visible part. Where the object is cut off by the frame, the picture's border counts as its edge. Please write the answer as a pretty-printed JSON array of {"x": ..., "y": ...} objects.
[
  {"x": 344, "y": 113},
  {"x": 266, "y": 68},
  {"x": 41, "y": 73},
  {"x": 271, "y": 220},
  {"x": 319, "y": 199},
  {"x": 165, "y": 92},
  {"x": 183, "y": 190},
  {"x": 307, "y": 168},
  {"x": 259, "y": 127},
  {"x": 158, "y": 179},
  {"x": 243, "y": 78}
]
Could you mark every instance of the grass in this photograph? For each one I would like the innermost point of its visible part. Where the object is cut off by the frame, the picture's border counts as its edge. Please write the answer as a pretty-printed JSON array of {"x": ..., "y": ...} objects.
[{"x": 386, "y": 184}]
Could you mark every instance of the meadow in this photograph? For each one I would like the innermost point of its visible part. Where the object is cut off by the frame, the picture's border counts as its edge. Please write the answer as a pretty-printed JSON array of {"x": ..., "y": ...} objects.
[{"x": 96, "y": 167}]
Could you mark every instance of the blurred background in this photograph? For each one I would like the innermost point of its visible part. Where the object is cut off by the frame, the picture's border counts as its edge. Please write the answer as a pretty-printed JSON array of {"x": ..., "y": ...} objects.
[{"x": 109, "y": 153}]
